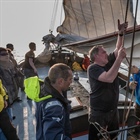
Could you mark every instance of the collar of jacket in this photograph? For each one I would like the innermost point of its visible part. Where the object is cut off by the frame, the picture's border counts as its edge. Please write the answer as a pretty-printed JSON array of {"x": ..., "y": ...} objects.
[{"x": 50, "y": 90}]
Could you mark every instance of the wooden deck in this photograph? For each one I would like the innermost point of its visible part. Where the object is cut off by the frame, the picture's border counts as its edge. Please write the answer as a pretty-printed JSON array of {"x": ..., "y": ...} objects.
[{"x": 25, "y": 112}]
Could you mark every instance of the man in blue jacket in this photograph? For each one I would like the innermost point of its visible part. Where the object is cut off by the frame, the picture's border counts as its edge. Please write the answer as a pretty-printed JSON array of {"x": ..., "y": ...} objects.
[
  {"x": 52, "y": 114},
  {"x": 135, "y": 85}
]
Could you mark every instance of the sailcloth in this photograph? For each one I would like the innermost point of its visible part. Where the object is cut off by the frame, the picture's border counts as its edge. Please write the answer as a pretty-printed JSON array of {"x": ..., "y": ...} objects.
[
  {"x": 94, "y": 18},
  {"x": 92, "y": 22}
]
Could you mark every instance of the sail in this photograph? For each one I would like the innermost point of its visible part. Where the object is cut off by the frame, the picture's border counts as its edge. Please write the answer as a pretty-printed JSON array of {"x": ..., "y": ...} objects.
[
  {"x": 93, "y": 22},
  {"x": 94, "y": 18}
]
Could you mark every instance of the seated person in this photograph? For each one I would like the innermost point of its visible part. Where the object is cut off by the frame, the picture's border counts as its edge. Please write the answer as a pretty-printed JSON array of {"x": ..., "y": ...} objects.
[{"x": 135, "y": 85}]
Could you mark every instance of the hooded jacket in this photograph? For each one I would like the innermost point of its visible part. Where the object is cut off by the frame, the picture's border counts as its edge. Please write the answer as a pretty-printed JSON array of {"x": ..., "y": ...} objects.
[
  {"x": 52, "y": 115},
  {"x": 8, "y": 78},
  {"x": 3, "y": 96}
]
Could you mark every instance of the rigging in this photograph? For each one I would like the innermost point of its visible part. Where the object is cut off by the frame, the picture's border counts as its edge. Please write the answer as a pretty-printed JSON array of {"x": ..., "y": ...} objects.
[
  {"x": 125, "y": 114},
  {"x": 53, "y": 16}
]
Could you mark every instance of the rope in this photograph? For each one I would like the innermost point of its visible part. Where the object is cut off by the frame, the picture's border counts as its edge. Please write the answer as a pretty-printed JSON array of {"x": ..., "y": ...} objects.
[
  {"x": 53, "y": 16},
  {"x": 125, "y": 105},
  {"x": 129, "y": 71},
  {"x": 128, "y": 111},
  {"x": 125, "y": 17},
  {"x": 101, "y": 129},
  {"x": 132, "y": 48},
  {"x": 126, "y": 96},
  {"x": 126, "y": 117}
]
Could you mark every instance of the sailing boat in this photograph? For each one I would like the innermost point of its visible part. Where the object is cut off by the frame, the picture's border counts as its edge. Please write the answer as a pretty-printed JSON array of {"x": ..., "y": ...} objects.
[{"x": 92, "y": 22}]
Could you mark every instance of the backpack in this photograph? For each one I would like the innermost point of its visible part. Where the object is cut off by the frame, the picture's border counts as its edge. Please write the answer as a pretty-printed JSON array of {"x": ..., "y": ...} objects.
[{"x": 33, "y": 88}]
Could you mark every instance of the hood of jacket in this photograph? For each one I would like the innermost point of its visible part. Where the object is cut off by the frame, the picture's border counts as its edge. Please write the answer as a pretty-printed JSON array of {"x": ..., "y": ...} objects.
[{"x": 48, "y": 89}]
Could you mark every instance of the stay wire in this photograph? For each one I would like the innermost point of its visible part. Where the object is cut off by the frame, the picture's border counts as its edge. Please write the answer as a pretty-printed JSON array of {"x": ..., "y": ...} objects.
[
  {"x": 130, "y": 63},
  {"x": 61, "y": 14},
  {"x": 53, "y": 16},
  {"x": 125, "y": 105},
  {"x": 132, "y": 46}
]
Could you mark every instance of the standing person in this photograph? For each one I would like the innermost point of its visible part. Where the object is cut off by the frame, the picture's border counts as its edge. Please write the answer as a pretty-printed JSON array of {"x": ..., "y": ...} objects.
[
  {"x": 104, "y": 86},
  {"x": 29, "y": 67},
  {"x": 19, "y": 76},
  {"x": 10, "y": 48},
  {"x": 7, "y": 74},
  {"x": 135, "y": 85},
  {"x": 86, "y": 62},
  {"x": 5, "y": 123},
  {"x": 52, "y": 114}
]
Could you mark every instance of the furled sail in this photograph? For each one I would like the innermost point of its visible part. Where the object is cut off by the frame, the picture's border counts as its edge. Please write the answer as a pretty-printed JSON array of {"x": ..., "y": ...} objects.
[
  {"x": 94, "y": 18},
  {"x": 92, "y": 22}
]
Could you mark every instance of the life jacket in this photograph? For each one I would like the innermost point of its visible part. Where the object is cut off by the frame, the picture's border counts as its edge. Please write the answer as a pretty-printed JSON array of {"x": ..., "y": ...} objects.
[{"x": 33, "y": 88}]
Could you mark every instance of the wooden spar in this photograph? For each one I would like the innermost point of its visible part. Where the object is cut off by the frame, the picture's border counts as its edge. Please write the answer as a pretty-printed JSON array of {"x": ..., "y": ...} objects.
[{"x": 114, "y": 34}]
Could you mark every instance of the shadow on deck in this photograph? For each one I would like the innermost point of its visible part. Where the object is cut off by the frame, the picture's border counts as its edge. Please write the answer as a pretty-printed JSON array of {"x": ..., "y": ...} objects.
[
  {"x": 24, "y": 111},
  {"x": 25, "y": 120}
]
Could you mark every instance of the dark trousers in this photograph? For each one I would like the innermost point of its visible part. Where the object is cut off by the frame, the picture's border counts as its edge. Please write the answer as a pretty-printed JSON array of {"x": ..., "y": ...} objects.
[
  {"x": 29, "y": 73},
  {"x": 108, "y": 121},
  {"x": 137, "y": 113},
  {"x": 137, "y": 110},
  {"x": 93, "y": 133},
  {"x": 7, "y": 127}
]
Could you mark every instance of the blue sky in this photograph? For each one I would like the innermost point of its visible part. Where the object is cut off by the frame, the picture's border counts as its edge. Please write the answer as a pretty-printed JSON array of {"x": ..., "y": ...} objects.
[{"x": 23, "y": 21}]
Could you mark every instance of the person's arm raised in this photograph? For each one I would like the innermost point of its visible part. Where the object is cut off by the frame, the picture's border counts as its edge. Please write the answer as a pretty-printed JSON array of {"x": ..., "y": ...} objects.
[
  {"x": 111, "y": 74},
  {"x": 121, "y": 30}
]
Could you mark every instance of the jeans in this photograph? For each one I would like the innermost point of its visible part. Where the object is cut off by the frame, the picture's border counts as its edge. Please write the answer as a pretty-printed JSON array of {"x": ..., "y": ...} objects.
[{"x": 2, "y": 136}]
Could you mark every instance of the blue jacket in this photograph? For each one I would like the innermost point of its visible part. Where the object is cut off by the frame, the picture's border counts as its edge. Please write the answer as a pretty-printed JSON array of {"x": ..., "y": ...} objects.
[
  {"x": 137, "y": 90},
  {"x": 52, "y": 116}
]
